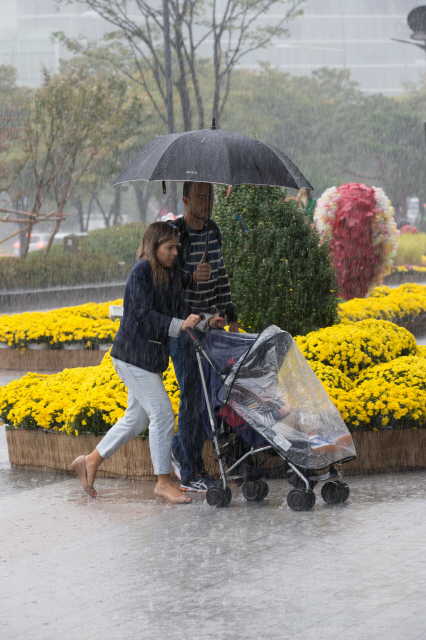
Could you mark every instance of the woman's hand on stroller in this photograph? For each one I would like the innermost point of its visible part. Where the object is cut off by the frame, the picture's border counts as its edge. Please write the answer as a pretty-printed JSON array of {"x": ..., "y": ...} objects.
[{"x": 191, "y": 322}]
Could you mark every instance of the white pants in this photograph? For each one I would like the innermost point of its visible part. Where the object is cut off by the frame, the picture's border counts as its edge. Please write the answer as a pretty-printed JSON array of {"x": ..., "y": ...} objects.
[{"x": 147, "y": 403}]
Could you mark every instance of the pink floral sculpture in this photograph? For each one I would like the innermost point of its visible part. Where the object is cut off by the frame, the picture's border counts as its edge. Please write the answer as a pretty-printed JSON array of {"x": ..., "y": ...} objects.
[{"x": 358, "y": 221}]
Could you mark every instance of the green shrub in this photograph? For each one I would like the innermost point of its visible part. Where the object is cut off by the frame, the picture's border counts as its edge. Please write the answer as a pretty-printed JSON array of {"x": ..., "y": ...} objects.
[
  {"x": 38, "y": 271},
  {"x": 120, "y": 243},
  {"x": 411, "y": 248},
  {"x": 279, "y": 272}
]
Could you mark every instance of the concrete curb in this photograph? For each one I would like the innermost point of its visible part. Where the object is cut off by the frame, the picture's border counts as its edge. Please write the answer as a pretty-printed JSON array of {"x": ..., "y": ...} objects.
[{"x": 56, "y": 297}]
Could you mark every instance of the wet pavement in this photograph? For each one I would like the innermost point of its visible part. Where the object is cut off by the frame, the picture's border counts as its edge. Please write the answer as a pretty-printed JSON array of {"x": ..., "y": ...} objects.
[
  {"x": 8, "y": 375},
  {"x": 125, "y": 566}
]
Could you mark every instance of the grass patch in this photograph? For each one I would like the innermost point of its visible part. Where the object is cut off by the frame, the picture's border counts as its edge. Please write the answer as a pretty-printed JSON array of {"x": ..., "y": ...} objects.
[{"x": 411, "y": 248}]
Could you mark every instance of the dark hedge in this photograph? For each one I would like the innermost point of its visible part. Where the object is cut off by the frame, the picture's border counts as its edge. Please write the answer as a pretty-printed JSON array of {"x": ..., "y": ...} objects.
[
  {"x": 40, "y": 272},
  {"x": 279, "y": 271}
]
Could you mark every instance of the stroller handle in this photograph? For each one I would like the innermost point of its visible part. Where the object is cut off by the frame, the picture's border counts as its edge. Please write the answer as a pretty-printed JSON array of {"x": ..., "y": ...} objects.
[{"x": 199, "y": 349}]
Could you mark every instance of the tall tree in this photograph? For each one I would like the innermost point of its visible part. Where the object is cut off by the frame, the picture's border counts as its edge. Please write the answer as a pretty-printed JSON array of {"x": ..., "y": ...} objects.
[
  {"x": 12, "y": 113},
  {"x": 333, "y": 131},
  {"x": 231, "y": 26},
  {"x": 77, "y": 122}
]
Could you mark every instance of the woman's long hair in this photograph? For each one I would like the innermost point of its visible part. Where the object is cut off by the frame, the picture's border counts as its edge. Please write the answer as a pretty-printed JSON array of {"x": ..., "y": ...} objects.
[{"x": 156, "y": 234}]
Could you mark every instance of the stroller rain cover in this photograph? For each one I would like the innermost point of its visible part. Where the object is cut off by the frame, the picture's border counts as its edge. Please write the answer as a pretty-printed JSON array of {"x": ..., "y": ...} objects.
[{"x": 272, "y": 387}]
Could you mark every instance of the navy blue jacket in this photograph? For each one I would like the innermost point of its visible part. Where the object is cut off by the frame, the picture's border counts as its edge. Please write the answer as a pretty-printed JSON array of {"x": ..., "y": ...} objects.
[{"x": 143, "y": 338}]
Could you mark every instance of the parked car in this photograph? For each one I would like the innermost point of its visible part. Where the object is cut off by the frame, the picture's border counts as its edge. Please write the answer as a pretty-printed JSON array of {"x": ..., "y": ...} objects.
[{"x": 37, "y": 241}]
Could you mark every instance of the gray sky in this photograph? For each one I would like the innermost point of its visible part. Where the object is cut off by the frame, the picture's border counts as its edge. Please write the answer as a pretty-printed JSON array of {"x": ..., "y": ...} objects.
[{"x": 351, "y": 34}]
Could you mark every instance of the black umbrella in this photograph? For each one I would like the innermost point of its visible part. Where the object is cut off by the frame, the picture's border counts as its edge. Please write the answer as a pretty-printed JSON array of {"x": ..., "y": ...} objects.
[{"x": 214, "y": 156}]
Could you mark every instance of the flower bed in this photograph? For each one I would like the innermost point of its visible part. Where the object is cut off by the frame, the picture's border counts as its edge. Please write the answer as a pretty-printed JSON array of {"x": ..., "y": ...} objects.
[
  {"x": 87, "y": 325},
  {"x": 405, "y": 306},
  {"x": 75, "y": 401},
  {"x": 408, "y": 273},
  {"x": 355, "y": 346},
  {"x": 370, "y": 366},
  {"x": 373, "y": 371}
]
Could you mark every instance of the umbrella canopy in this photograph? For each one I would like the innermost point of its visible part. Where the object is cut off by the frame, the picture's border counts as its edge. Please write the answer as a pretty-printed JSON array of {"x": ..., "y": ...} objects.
[{"x": 213, "y": 155}]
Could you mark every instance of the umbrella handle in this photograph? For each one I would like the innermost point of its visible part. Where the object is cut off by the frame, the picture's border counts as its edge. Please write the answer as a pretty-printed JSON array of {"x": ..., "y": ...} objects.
[{"x": 206, "y": 252}]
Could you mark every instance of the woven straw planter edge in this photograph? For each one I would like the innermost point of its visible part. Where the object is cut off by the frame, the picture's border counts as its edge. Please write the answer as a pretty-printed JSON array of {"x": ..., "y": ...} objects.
[
  {"x": 48, "y": 360},
  {"x": 378, "y": 452}
]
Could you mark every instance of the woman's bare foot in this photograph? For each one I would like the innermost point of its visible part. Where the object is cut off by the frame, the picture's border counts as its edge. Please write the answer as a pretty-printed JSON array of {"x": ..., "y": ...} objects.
[
  {"x": 80, "y": 467},
  {"x": 93, "y": 461},
  {"x": 166, "y": 490}
]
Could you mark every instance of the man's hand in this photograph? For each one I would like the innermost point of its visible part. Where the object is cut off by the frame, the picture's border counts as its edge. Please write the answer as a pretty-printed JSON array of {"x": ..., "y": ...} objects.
[
  {"x": 202, "y": 272},
  {"x": 217, "y": 322},
  {"x": 233, "y": 327}
]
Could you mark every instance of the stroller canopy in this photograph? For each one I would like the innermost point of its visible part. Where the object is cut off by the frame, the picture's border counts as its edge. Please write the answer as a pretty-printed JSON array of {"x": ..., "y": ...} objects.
[
  {"x": 225, "y": 349},
  {"x": 270, "y": 385}
]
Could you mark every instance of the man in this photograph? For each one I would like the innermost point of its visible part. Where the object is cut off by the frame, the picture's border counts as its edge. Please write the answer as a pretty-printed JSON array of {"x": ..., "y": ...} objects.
[{"x": 208, "y": 292}]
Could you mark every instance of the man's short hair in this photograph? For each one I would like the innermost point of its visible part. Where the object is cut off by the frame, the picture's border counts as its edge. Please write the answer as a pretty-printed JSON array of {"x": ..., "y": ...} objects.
[{"x": 187, "y": 186}]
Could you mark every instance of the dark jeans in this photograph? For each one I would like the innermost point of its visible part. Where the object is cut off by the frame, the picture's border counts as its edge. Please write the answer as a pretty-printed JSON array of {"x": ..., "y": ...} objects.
[{"x": 188, "y": 443}]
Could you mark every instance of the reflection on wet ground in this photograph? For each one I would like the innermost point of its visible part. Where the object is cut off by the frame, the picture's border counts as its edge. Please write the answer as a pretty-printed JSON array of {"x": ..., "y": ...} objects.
[
  {"x": 125, "y": 566},
  {"x": 17, "y": 480}
]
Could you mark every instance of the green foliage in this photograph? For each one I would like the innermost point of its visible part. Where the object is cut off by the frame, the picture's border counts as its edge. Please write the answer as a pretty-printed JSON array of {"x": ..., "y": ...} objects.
[
  {"x": 120, "y": 243},
  {"x": 12, "y": 114},
  {"x": 134, "y": 48},
  {"x": 79, "y": 122},
  {"x": 334, "y": 132},
  {"x": 39, "y": 271},
  {"x": 75, "y": 132},
  {"x": 411, "y": 248},
  {"x": 279, "y": 272}
]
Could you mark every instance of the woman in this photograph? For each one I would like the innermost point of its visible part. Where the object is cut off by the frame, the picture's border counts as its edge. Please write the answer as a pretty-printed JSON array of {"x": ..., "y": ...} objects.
[{"x": 153, "y": 306}]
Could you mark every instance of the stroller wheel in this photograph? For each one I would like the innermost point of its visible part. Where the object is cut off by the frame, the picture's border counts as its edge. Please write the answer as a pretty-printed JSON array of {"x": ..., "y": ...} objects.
[
  {"x": 217, "y": 496},
  {"x": 252, "y": 490},
  {"x": 311, "y": 498},
  {"x": 300, "y": 500},
  {"x": 344, "y": 491},
  {"x": 264, "y": 490},
  {"x": 227, "y": 497},
  {"x": 335, "y": 492}
]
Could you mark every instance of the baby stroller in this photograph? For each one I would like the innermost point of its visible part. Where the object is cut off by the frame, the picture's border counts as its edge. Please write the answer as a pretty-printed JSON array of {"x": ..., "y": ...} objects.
[{"x": 270, "y": 417}]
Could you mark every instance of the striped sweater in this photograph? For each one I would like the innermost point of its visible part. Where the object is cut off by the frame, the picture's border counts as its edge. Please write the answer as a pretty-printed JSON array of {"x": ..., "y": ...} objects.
[{"x": 211, "y": 295}]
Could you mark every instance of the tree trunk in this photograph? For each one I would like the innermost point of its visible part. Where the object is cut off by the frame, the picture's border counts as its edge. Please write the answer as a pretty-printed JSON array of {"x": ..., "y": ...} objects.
[
  {"x": 22, "y": 243},
  {"x": 105, "y": 215},
  {"x": 173, "y": 198},
  {"x": 50, "y": 241},
  {"x": 116, "y": 207},
  {"x": 80, "y": 215},
  {"x": 142, "y": 199},
  {"x": 89, "y": 213},
  {"x": 27, "y": 242}
]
